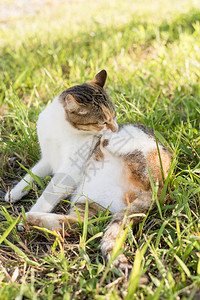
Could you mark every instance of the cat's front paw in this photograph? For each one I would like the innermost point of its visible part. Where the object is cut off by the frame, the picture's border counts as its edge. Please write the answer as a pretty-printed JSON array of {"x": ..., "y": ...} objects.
[
  {"x": 46, "y": 220},
  {"x": 31, "y": 220},
  {"x": 34, "y": 219},
  {"x": 12, "y": 196}
]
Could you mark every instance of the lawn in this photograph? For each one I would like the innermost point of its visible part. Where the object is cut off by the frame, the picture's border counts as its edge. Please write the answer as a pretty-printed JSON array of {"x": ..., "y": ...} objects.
[{"x": 151, "y": 51}]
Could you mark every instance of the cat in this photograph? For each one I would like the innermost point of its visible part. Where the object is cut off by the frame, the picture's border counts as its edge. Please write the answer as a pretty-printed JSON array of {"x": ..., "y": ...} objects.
[
  {"x": 72, "y": 122},
  {"x": 114, "y": 174}
]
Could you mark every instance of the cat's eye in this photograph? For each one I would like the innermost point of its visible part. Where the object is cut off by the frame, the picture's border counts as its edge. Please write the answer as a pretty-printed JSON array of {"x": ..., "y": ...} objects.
[{"x": 105, "y": 123}]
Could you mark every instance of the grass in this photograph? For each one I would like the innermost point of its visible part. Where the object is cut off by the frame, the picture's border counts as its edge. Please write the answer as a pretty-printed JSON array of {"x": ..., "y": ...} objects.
[{"x": 151, "y": 51}]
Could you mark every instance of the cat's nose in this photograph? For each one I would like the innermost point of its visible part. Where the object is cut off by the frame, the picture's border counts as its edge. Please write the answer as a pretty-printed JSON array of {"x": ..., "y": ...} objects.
[{"x": 114, "y": 126}]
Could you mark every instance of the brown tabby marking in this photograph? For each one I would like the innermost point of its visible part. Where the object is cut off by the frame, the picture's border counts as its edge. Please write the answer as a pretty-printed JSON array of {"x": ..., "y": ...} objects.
[
  {"x": 88, "y": 127},
  {"x": 136, "y": 175},
  {"x": 129, "y": 197},
  {"x": 109, "y": 116},
  {"x": 98, "y": 154},
  {"x": 135, "y": 172}
]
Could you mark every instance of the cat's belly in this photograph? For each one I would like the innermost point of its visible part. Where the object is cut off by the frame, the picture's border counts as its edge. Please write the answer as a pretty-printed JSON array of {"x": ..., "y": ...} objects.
[{"x": 102, "y": 184}]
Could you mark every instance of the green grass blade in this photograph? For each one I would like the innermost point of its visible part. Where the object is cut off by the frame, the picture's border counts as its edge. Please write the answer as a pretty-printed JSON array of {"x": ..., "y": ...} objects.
[
  {"x": 85, "y": 227},
  {"x": 10, "y": 228},
  {"x": 21, "y": 254},
  {"x": 183, "y": 266}
]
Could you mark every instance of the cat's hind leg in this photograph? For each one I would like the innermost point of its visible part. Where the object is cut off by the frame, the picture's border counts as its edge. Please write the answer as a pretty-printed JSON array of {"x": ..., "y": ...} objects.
[
  {"x": 41, "y": 169},
  {"x": 114, "y": 230},
  {"x": 117, "y": 225}
]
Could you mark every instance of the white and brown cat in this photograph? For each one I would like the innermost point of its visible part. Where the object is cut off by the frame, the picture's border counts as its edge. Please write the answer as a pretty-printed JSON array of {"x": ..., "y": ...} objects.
[{"x": 113, "y": 174}]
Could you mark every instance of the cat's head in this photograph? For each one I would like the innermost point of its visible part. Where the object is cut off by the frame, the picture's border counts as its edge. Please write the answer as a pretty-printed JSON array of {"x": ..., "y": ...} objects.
[{"x": 88, "y": 107}]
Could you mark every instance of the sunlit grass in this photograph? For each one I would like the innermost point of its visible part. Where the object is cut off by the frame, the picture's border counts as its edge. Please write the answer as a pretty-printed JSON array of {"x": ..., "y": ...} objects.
[{"x": 151, "y": 52}]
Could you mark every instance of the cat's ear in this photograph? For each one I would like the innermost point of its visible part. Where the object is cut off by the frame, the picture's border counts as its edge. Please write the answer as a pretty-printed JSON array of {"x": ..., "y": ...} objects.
[
  {"x": 70, "y": 103},
  {"x": 100, "y": 78}
]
